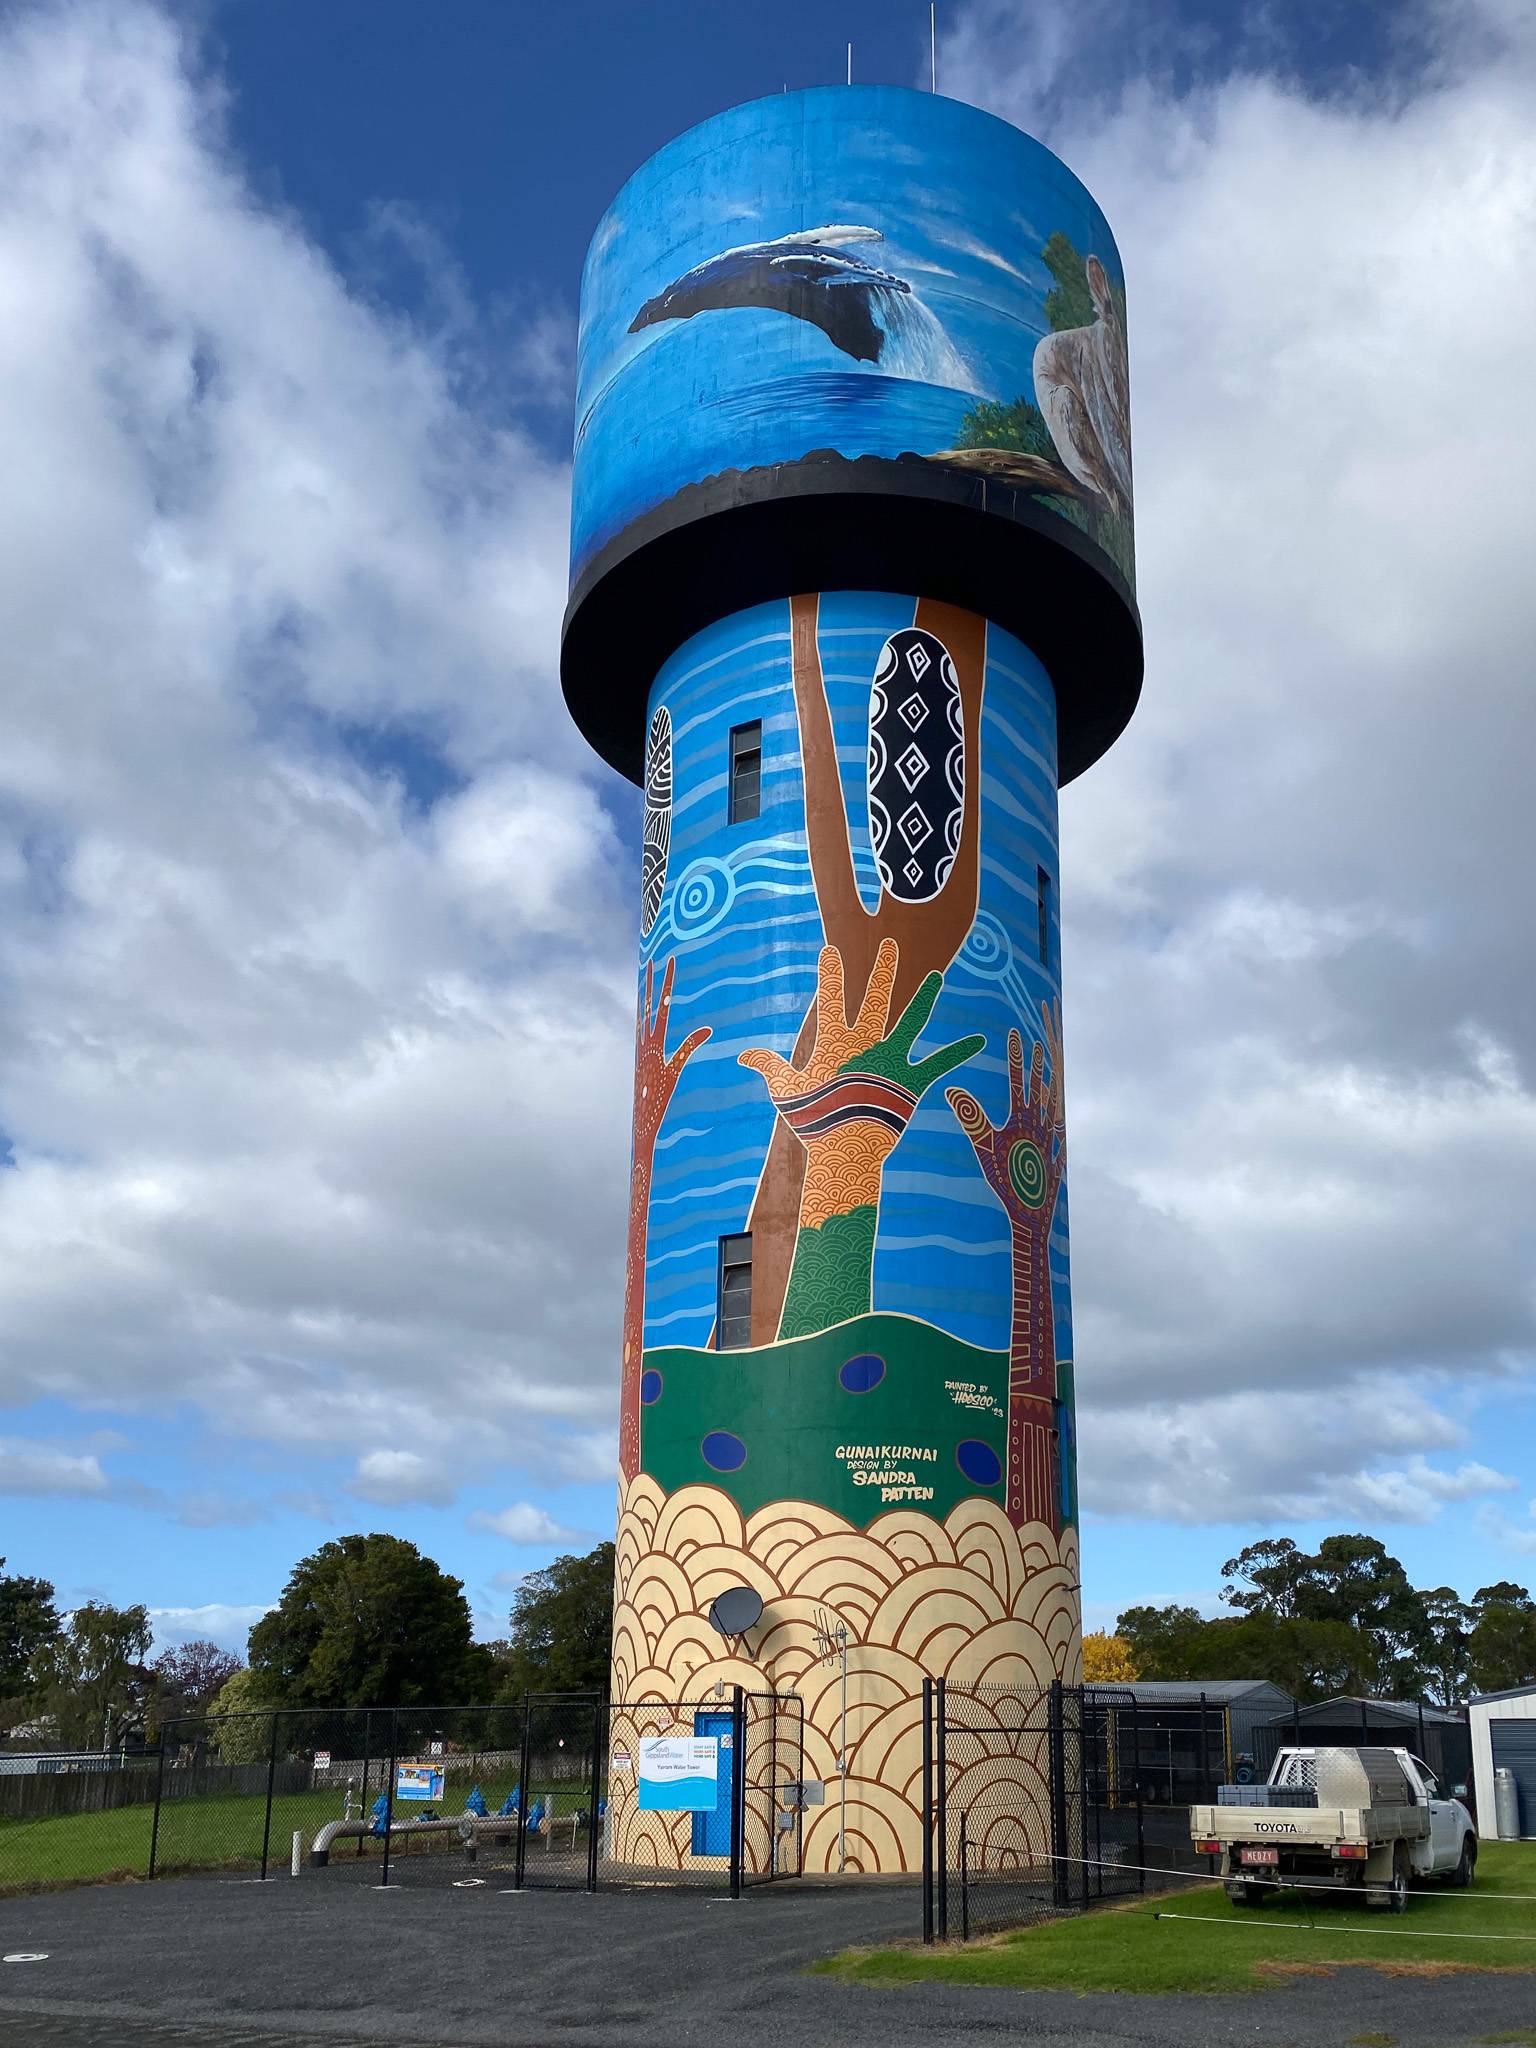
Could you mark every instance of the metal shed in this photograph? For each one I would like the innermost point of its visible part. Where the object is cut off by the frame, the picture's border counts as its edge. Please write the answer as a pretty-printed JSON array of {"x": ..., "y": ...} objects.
[
  {"x": 1503, "y": 1728},
  {"x": 1438, "y": 1735},
  {"x": 1190, "y": 1733}
]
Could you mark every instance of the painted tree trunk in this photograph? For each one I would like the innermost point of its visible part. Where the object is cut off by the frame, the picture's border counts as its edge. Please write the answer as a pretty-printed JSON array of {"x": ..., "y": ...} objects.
[{"x": 928, "y": 935}]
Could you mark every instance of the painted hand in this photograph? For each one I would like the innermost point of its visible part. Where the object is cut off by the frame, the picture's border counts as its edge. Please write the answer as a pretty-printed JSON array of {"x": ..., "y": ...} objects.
[
  {"x": 1025, "y": 1157},
  {"x": 858, "y": 1089},
  {"x": 656, "y": 1076}
]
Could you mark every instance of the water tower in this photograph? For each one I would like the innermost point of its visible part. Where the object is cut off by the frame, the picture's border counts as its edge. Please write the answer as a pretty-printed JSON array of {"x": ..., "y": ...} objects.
[{"x": 852, "y": 597}]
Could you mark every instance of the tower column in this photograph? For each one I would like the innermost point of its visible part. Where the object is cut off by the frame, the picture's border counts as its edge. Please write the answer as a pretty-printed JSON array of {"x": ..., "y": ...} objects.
[{"x": 850, "y": 601}]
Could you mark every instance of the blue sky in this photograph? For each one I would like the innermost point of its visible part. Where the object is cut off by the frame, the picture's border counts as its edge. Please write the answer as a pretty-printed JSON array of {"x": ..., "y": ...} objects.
[{"x": 317, "y": 920}]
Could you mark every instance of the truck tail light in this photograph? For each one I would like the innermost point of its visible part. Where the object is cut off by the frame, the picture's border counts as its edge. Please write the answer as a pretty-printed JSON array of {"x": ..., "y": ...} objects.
[
  {"x": 1355, "y": 1850},
  {"x": 1206, "y": 1847}
]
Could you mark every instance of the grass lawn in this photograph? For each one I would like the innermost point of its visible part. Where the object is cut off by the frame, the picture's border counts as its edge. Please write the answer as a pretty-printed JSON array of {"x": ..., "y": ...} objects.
[
  {"x": 201, "y": 1834},
  {"x": 1130, "y": 1949}
]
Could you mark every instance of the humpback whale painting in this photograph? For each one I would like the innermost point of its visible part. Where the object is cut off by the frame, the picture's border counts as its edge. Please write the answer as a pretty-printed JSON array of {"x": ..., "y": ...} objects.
[
  {"x": 879, "y": 288},
  {"x": 809, "y": 276}
]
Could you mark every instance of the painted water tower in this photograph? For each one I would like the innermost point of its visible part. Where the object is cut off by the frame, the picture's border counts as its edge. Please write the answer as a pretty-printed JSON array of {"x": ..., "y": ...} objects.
[{"x": 852, "y": 597}]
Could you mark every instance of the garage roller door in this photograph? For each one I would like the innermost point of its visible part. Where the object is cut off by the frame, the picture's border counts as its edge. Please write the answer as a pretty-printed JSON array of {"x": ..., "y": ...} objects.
[{"x": 1514, "y": 1749}]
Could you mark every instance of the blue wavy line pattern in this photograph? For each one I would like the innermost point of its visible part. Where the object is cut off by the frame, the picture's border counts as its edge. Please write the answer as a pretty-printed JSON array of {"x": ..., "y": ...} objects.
[{"x": 739, "y": 914}]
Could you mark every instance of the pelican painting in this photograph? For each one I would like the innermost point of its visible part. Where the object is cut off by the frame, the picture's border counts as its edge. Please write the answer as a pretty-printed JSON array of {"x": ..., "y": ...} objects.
[{"x": 1082, "y": 383}]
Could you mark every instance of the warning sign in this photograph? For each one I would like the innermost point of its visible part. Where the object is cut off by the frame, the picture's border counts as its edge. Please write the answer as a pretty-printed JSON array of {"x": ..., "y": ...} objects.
[{"x": 622, "y": 1759}]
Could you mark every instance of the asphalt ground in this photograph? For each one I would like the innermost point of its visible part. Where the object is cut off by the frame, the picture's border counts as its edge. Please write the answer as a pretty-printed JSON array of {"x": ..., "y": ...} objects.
[{"x": 228, "y": 1964}]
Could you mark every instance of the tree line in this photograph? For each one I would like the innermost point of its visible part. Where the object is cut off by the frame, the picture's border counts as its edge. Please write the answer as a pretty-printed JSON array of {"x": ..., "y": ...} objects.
[
  {"x": 363, "y": 1621},
  {"x": 368, "y": 1620},
  {"x": 1344, "y": 1618}
]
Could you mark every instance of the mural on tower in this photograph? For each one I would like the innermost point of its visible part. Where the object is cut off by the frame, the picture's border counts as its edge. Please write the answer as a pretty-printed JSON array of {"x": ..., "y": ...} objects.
[
  {"x": 817, "y": 280},
  {"x": 831, "y": 340},
  {"x": 836, "y": 1065}
]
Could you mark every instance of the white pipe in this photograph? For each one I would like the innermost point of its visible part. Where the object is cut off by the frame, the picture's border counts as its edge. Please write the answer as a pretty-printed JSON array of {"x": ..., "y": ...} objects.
[
  {"x": 298, "y": 1845},
  {"x": 842, "y": 1761},
  {"x": 335, "y": 1830}
]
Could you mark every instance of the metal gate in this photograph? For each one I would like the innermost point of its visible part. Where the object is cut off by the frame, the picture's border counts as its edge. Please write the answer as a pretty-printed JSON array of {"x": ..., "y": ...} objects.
[{"x": 1031, "y": 1810}]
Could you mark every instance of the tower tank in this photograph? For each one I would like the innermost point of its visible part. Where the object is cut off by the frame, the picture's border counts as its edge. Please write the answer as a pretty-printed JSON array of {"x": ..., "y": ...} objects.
[{"x": 852, "y": 596}]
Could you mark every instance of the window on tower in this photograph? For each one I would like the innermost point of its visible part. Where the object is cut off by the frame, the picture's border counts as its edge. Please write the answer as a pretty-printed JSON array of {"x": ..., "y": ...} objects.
[
  {"x": 733, "y": 1319},
  {"x": 1043, "y": 891},
  {"x": 746, "y": 771}
]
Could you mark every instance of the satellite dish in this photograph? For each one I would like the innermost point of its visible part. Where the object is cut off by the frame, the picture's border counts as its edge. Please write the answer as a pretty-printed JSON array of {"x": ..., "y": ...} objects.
[{"x": 736, "y": 1610}]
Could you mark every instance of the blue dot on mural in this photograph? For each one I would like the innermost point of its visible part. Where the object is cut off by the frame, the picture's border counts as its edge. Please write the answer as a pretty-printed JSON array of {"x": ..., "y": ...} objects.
[
  {"x": 979, "y": 1462},
  {"x": 723, "y": 1452},
  {"x": 650, "y": 1386},
  {"x": 862, "y": 1373}
]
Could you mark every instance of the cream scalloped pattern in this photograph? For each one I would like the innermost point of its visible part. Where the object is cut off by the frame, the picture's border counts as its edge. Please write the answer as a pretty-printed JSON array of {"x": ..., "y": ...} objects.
[{"x": 970, "y": 1599}]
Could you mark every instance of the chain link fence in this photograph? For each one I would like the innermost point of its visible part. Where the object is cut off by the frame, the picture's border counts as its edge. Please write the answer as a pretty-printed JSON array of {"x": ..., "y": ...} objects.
[
  {"x": 545, "y": 1791},
  {"x": 1031, "y": 1816},
  {"x": 1041, "y": 1800}
]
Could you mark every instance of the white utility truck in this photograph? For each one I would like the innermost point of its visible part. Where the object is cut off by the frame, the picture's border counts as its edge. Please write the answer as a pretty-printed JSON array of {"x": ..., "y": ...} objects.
[{"x": 1367, "y": 1818}]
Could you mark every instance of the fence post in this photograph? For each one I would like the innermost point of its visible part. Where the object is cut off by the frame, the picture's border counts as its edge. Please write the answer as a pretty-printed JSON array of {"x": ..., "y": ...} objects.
[
  {"x": 154, "y": 1826},
  {"x": 738, "y": 1785},
  {"x": 928, "y": 1811},
  {"x": 599, "y": 1746},
  {"x": 266, "y": 1825},
  {"x": 520, "y": 1859},
  {"x": 1087, "y": 1780},
  {"x": 362, "y": 1804},
  {"x": 389, "y": 1792},
  {"x": 1423, "y": 1752},
  {"x": 941, "y": 1759},
  {"x": 1141, "y": 1833},
  {"x": 1057, "y": 1750},
  {"x": 773, "y": 1783},
  {"x": 965, "y": 1885}
]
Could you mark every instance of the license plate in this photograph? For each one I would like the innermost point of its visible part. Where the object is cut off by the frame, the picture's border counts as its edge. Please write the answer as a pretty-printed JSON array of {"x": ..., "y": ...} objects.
[{"x": 1261, "y": 1855}]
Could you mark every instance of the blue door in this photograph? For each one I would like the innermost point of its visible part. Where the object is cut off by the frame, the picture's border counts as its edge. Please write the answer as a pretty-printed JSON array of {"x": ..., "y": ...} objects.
[{"x": 712, "y": 1829}]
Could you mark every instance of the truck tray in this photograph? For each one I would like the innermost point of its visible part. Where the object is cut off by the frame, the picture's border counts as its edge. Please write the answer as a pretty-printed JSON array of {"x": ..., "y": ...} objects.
[{"x": 1264, "y": 1795}]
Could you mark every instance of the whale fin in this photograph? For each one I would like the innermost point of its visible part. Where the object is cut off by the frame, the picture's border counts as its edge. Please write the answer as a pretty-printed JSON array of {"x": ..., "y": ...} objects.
[
  {"x": 817, "y": 270},
  {"x": 865, "y": 278}
]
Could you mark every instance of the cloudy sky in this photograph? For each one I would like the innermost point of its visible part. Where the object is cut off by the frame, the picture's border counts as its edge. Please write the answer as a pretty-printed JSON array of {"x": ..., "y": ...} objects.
[{"x": 316, "y": 919}]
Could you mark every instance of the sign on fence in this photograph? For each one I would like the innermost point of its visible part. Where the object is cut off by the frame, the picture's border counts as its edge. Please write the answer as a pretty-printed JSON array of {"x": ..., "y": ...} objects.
[
  {"x": 679, "y": 1773},
  {"x": 322, "y": 1759},
  {"x": 418, "y": 1781}
]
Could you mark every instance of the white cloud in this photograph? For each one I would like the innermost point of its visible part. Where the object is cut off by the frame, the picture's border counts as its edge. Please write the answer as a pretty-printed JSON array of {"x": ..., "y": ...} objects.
[
  {"x": 1508, "y": 1535},
  {"x": 522, "y": 1522},
  {"x": 1299, "y": 1001},
  {"x": 217, "y": 1621},
  {"x": 315, "y": 941},
  {"x": 315, "y": 990},
  {"x": 38, "y": 1468},
  {"x": 1253, "y": 1456},
  {"x": 393, "y": 1478}
]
